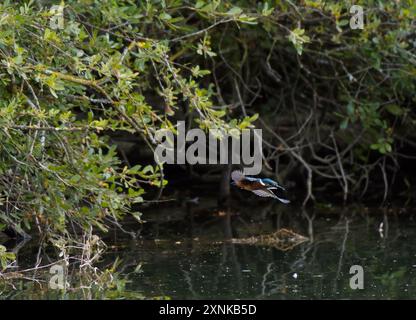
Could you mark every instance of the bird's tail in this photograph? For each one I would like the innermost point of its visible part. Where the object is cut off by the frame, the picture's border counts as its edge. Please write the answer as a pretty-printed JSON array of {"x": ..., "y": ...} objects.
[
  {"x": 285, "y": 201},
  {"x": 279, "y": 196}
]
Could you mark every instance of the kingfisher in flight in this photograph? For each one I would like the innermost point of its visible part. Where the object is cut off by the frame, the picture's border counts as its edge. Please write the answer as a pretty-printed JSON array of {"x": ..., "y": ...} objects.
[{"x": 261, "y": 187}]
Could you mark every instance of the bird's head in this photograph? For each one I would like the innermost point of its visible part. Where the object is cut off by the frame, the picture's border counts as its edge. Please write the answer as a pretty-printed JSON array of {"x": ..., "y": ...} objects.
[{"x": 236, "y": 176}]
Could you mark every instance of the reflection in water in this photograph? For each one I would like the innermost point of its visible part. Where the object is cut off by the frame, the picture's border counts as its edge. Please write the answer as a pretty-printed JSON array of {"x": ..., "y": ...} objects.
[
  {"x": 183, "y": 253},
  {"x": 206, "y": 266}
]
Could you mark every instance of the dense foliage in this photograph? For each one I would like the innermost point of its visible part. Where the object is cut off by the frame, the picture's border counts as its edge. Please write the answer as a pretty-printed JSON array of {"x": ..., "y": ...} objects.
[
  {"x": 335, "y": 104},
  {"x": 62, "y": 90}
]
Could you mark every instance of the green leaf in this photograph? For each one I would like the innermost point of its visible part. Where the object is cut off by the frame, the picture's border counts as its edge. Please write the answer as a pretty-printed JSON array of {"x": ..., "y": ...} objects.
[
  {"x": 148, "y": 169},
  {"x": 254, "y": 117},
  {"x": 50, "y": 35},
  {"x": 343, "y": 22},
  {"x": 165, "y": 16},
  {"x": 137, "y": 215},
  {"x": 74, "y": 179},
  {"x": 350, "y": 108},
  {"x": 247, "y": 20},
  {"x": 298, "y": 38},
  {"x": 266, "y": 10},
  {"x": 199, "y": 4},
  {"x": 394, "y": 109},
  {"x": 5, "y": 257},
  {"x": 234, "y": 11},
  {"x": 375, "y": 146}
]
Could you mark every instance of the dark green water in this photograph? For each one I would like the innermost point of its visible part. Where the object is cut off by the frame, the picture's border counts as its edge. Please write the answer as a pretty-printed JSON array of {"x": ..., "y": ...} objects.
[{"x": 181, "y": 254}]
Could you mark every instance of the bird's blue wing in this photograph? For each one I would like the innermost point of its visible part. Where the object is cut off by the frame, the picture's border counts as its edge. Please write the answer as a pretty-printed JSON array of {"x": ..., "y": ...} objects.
[{"x": 273, "y": 184}]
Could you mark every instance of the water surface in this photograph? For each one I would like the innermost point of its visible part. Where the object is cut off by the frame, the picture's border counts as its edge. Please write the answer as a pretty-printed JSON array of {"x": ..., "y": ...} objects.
[{"x": 182, "y": 252}]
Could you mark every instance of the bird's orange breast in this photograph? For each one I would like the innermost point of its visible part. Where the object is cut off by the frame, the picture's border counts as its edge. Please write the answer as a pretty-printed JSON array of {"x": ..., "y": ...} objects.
[{"x": 250, "y": 185}]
